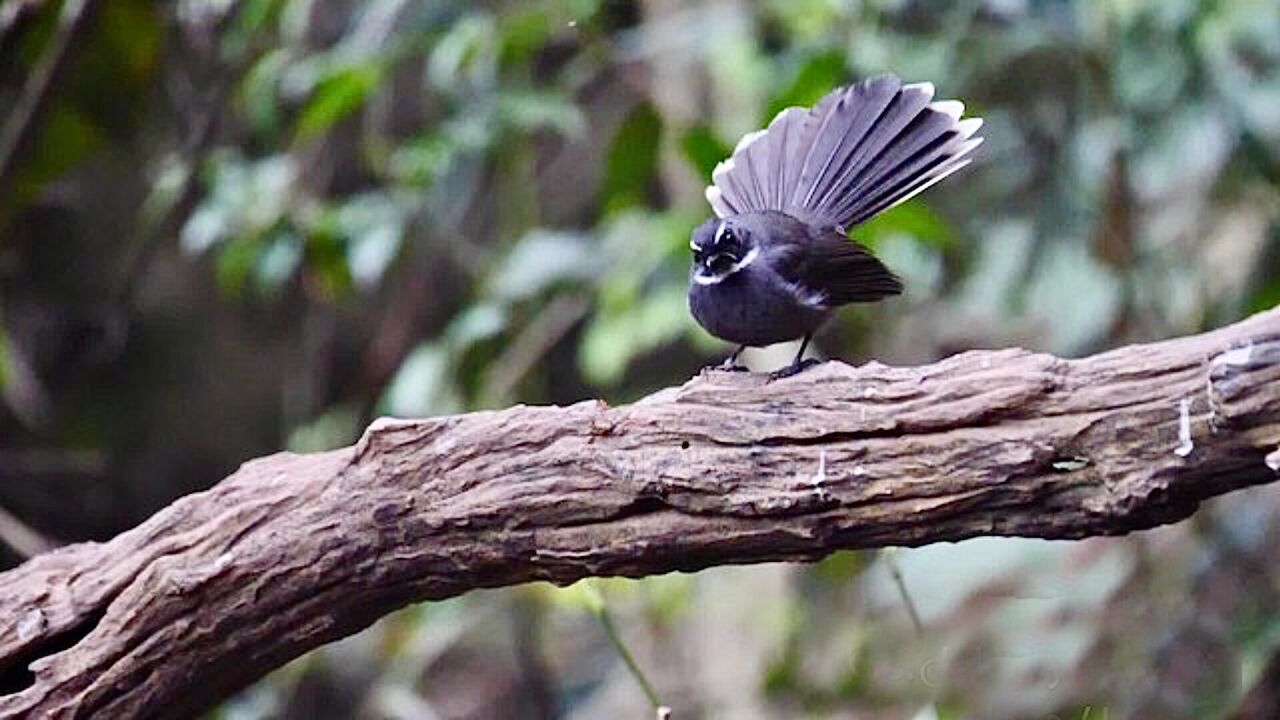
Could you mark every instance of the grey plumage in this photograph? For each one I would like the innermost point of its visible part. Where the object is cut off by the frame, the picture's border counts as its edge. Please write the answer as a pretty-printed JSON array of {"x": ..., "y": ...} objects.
[
  {"x": 860, "y": 150},
  {"x": 776, "y": 261}
]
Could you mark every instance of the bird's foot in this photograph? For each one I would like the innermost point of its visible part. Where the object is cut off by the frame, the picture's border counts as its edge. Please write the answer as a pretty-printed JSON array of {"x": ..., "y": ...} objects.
[
  {"x": 730, "y": 364},
  {"x": 794, "y": 368}
]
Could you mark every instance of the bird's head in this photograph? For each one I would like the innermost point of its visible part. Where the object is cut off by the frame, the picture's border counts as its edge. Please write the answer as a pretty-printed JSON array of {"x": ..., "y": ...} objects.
[{"x": 721, "y": 248}]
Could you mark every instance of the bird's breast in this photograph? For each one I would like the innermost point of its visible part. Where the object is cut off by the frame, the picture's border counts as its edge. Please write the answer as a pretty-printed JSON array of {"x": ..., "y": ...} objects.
[{"x": 751, "y": 308}]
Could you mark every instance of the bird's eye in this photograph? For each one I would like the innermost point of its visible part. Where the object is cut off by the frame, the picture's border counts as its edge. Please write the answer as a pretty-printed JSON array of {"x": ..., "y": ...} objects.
[
  {"x": 730, "y": 243},
  {"x": 721, "y": 263}
]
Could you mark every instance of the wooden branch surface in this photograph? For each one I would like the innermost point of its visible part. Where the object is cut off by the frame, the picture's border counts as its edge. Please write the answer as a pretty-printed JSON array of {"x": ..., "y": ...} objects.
[{"x": 293, "y": 551}]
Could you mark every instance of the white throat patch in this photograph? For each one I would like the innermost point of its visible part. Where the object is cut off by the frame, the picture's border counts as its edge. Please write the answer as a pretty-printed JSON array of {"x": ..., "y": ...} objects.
[{"x": 718, "y": 278}]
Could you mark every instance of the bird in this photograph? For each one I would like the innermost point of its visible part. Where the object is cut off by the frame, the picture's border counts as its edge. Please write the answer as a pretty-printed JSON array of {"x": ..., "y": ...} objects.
[{"x": 776, "y": 259}]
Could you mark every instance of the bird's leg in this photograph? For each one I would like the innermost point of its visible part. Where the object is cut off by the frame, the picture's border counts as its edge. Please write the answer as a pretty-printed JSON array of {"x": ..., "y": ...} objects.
[
  {"x": 798, "y": 365},
  {"x": 730, "y": 363}
]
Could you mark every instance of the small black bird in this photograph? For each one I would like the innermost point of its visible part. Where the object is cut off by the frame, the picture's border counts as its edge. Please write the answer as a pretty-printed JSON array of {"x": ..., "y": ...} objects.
[{"x": 775, "y": 261}]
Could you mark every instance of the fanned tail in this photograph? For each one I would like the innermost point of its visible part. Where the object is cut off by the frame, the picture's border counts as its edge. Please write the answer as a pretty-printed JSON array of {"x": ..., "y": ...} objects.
[{"x": 859, "y": 151}]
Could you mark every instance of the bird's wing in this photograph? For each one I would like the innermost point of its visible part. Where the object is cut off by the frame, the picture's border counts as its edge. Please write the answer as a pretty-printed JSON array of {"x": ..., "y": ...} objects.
[
  {"x": 860, "y": 150},
  {"x": 828, "y": 269}
]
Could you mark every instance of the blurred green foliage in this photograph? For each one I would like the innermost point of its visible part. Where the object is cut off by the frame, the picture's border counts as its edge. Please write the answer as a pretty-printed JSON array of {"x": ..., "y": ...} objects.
[{"x": 1099, "y": 90}]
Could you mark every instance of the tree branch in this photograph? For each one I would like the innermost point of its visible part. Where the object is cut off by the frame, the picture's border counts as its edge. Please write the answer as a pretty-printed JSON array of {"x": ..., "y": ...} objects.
[{"x": 293, "y": 551}]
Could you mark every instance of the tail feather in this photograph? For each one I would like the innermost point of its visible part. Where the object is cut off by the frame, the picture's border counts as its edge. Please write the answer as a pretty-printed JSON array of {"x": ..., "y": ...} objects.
[
  {"x": 846, "y": 119},
  {"x": 903, "y": 190},
  {"x": 898, "y": 152},
  {"x": 859, "y": 151},
  {"x": 914, "y": 165}
]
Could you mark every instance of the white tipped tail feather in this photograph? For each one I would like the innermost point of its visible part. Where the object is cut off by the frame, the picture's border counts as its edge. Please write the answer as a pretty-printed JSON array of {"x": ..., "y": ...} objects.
[{"x": 859, "y": 151}]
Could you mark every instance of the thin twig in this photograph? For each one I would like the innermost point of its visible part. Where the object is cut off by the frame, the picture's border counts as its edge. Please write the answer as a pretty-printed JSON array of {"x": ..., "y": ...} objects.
[
  {"x": 896, "y": 573},
  {"x": 606, "y": 619},
  {"x": 601, "y": 609},
  {"x": 15, "y": 16},
  {"x": 39, "y": 90},
  {"x": 1262, "y": 699},
  {"x": 162, "y": 217},
  {"x": 21, "y": 538},
  {"x": 546, "y": 329}
]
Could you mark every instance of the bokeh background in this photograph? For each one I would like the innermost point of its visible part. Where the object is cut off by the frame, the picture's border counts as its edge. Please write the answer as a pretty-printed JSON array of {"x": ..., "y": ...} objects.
[{"x": 229, "y": 227}]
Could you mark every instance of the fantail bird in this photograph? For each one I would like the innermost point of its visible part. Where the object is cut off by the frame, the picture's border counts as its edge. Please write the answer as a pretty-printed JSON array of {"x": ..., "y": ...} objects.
[{"x": 776, "y": 261}]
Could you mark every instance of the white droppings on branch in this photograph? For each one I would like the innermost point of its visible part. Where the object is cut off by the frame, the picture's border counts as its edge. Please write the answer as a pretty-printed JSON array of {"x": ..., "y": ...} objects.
[
  {"x": 184, "y": 581},
  {"x": 1209, "y": 401},
  {"x": 561, "y": 554},
  {"x": 1185, "y": 445},
  {"x": 31, "y": 624},
  {"x": 1071, "y": 464},
  {"x": 1235, "y": 356},
  {"x": 447, "y": 445},
  {"x": 820, "y": 476}
]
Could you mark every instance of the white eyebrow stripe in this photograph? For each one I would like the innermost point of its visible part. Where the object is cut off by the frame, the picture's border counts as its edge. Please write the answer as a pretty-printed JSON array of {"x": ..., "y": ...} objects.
[{"x": 693, "y": 245}]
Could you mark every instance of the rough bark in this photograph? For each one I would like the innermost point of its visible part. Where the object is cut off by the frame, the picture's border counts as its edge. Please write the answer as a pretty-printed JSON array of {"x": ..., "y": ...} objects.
[{"x": 293, "y": 551}]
